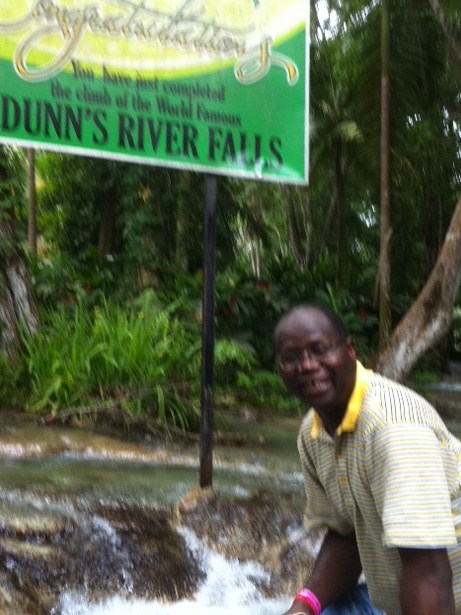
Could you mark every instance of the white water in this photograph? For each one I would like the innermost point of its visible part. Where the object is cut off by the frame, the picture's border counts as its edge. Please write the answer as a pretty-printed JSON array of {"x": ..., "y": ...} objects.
[
  {"x": 229, "y": 589},
  {"x": 117, "y": 606}
]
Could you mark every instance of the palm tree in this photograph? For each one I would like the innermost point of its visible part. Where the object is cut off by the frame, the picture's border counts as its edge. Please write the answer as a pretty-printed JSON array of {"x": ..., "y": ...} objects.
[{"x": 385, "y": 229}]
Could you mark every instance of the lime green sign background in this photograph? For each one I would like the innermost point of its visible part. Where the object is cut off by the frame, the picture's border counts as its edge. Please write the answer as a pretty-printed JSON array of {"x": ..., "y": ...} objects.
[{"x": 174, "y": 86}]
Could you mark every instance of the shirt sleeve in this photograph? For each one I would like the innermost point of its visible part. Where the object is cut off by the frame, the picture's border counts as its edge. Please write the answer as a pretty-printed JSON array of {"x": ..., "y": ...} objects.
[{"x": 410, "y": 488}]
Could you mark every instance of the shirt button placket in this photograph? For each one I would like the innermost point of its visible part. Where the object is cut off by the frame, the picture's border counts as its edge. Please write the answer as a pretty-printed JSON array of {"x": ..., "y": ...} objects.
[{"x": 341, "y": 473}]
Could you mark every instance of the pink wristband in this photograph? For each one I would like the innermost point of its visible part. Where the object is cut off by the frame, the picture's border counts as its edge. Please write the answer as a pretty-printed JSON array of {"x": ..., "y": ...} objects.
[{"x": 305, "y": 595}]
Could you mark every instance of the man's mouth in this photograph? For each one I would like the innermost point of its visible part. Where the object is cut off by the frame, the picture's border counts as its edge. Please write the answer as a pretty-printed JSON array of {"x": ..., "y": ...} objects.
[{"x": 316, "y": 386}]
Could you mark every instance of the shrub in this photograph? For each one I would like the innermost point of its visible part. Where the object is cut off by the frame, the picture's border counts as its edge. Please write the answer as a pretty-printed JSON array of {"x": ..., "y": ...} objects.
[{"x": 142, "y": 358}]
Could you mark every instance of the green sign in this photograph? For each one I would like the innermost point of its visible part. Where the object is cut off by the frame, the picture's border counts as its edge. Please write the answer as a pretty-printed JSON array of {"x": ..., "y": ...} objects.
[{"x": 209, "y": 85}]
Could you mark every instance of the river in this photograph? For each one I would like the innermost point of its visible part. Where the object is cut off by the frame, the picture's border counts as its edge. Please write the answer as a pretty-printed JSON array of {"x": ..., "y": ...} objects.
[{"x": 67, "y": 497}]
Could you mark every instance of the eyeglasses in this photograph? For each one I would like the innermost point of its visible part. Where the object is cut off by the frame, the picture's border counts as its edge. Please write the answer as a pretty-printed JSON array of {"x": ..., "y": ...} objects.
[{"x": 292, "y": 359}]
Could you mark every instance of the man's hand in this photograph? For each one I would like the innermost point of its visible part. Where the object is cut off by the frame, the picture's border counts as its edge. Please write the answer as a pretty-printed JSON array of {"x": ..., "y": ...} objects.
[
  {"x": 298, "y": 608},
  {"x": 336, "y": 571}
]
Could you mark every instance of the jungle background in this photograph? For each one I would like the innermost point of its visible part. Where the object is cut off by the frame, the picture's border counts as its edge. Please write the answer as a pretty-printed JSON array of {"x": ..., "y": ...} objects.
[{"x": 101, "y": 261}]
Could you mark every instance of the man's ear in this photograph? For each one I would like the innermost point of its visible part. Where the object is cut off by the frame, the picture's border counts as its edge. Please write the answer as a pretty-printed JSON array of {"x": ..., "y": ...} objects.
[{"x": 351, "y": 348}]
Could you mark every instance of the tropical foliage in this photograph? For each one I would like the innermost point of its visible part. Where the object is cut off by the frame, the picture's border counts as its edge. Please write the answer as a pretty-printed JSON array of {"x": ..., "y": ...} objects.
[{"x": 119, "y": 240}]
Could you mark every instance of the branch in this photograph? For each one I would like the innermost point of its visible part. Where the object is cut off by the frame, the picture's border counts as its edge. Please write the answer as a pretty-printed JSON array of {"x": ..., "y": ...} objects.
[
  {"x": 440, "y": 16},
  {"x": 430, "y": 316}
]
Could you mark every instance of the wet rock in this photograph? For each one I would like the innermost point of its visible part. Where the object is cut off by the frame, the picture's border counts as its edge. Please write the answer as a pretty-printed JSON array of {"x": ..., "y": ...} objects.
[
  {"x": 132, "y": 552},
  {"x": 266, "y": 528},
  {"x": 140, "y": 552},
  {"x": 197, "y": 495}
]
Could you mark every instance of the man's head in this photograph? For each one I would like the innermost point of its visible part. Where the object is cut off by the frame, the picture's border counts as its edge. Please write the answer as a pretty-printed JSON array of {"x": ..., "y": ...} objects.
[{"x": 317, "y": 360}]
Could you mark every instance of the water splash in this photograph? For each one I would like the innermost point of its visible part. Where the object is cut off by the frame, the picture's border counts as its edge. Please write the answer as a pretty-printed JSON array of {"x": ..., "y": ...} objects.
[
  {"x": 118, "y": 606},
  {"x": 230, "y": 588}
]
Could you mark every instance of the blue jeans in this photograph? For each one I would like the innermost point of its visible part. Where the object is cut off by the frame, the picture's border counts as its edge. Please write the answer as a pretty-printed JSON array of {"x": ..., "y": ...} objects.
[{"x": 355, "y": 602}]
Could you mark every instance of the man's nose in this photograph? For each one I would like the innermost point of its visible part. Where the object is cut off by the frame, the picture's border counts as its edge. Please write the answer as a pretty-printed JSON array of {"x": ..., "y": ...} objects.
[{"x": 308, "y": 360}]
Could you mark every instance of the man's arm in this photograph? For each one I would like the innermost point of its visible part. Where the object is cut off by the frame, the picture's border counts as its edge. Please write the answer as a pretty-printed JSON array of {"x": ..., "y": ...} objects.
[
  {"x": 426, "y": 584},
  {"x": 336, "y": 571}
]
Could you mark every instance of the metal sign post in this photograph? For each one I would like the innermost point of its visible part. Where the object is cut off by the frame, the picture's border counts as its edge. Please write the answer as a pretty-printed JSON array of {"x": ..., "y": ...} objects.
[{"x": 206, "y": 424}]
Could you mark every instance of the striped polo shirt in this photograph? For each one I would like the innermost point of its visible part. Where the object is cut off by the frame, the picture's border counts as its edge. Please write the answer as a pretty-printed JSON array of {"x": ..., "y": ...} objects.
[{"x": 392, "y": 474}]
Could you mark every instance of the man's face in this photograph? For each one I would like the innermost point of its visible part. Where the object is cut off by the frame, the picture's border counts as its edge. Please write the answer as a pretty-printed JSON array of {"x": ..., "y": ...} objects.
[{"x": 317, "y": 366}]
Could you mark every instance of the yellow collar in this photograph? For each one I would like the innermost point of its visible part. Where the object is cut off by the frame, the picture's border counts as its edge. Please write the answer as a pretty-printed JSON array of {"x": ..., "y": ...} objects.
[{"x": 352, "y": 413}]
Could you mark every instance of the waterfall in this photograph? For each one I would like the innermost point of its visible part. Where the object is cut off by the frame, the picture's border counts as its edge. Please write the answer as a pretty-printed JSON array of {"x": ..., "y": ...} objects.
[{"x": 230, "y": 588}]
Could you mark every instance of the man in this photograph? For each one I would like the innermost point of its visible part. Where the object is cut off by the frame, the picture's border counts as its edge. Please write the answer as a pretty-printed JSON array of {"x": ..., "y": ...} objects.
[{"x": 382, "y": 476}]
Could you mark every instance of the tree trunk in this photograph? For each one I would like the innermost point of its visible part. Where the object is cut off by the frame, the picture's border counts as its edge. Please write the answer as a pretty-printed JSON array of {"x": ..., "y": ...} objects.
[
  {"x": 17, "y": 307},
  {"x": 182, "y": 221},
  {"x": 299, "y": 224},
  {"x": 340, "y": 189},
  {"x": 32, "y": 197},
  {"x": 107, "y": 226},
  {"x": 430, "y": 316},
  {"x": 384, "y": 270}
]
